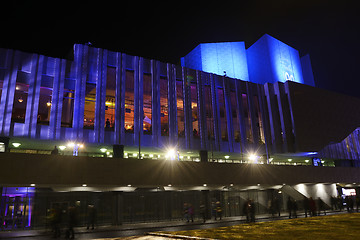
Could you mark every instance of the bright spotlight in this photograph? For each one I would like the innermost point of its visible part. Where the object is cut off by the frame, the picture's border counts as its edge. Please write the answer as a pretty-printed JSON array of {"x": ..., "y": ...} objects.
[
  {"x": 62, "y": 148},
  {"x": 103, "y": 150},
  {"x": 16, "y": 144},
  {"x": 252, "y": 157},
  {"x": 171, "y": 153}
]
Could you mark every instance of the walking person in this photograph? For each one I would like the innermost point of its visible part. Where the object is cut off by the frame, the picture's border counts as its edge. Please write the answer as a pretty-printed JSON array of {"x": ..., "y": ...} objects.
[
  {"x": 55, "y": 151},
  {"x": 218, "y": 210},
  {"x": 91, "y": 216},
  {"x": 312, "y": 205},
  {"x": 203, "y": 211},
  {"x": 321, "y": 205},
  {"x": 306, "y": 206},
  {"x": 186, "y": 212},
  {"x": 213, "y": 210},
  {"x": 252, "y": 211},
  {"x": 289, "y": 206},
  {"x": 191, "y": 213},
  {"x": 246, "y": 210},
  {"x": 72, "y": 220},
  {"x": 294, "y": 208}
]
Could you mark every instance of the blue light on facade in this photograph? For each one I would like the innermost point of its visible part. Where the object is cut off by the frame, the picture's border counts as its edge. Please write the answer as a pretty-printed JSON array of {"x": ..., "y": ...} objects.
[
  {"x": 271, "y": 60},
  {"x": 268, "y": 60},
  {"x": 217, "y": 58}
]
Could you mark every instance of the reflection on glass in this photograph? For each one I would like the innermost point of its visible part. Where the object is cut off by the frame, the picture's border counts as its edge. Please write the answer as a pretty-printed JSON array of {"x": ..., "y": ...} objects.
[
  {"x": 129, "y": 102},
  {"x": 43, "y": 117},
  {"x": 20, "y": 102},
  {"x": 147, "y": 89},
  {"x": 235, "y": 114},
  {"x": 164, "y": 106},
  {"x": 110, "y": 98},
  {"x": 89, "y": 110},
  {"x": 180, "y": 108},
  {"x": 209, "y": 112},
  {"x": 259, "y": 120},
  {"x": 223, "y": 121},
  {"x": 249, "y": 136},
  {"x": 67, "y": 107},
  {"x": 194, "y": 104},
  {"x": 1, "y": 87}
]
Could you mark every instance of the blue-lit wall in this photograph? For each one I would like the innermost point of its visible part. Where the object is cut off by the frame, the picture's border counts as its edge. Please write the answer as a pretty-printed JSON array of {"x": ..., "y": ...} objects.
[
  {"x": 271, "y": 60},
  {"x": 219, "y": 57},
  {"x": 268, "y": 60},
  {"x": 308, "y": 74}
]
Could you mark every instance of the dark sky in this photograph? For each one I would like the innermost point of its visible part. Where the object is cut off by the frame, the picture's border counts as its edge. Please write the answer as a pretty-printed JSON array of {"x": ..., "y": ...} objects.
[{"x": 327, "y": 30}]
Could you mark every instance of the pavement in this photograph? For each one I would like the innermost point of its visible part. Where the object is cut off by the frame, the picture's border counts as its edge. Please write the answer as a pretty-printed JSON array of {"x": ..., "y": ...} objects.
[{"x": 139, "y": 231}]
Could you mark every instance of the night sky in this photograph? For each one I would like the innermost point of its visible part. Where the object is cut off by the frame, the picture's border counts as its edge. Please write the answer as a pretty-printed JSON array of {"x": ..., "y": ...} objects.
[{"x": 327, "y": 30}]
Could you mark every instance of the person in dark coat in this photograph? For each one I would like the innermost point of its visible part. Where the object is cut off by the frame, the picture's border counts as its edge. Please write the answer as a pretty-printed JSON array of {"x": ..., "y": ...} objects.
[
  {"x": 246, "y": 210},
  {"x": 252, "y": 211},
  {"x": 203, "y": 211},
  {"x": 312, "y": 205},
  {"x": 306, "y": 206},
  {"x": 72, "y": 221},
  {"x": 55, "y": 151},
  {"x": 91, "y": 216},
  {"x": 289, "y": 206},
  {"x": 294, "y": 208}
]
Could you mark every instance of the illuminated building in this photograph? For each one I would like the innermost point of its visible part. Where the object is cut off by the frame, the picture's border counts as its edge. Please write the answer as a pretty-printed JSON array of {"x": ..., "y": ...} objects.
[{"x": 110, "y": 104}]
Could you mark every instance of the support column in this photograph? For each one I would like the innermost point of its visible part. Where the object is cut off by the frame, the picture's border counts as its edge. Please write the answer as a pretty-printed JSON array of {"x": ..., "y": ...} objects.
[
  {"x": 217, "y": 127},
  {"x": 156, "y": 120},
  {"x": 239, "y": 92},
  {"x": 99, "y": 126},
  {"x": 187, "y": 109},
  {"x": 171, "y": 75},
  {"x": 138, "y": 100},
  {"x": 57, "y": 99},
  {"x": 8, "y": 92},
  {"x": 228, "y": 114},
  {"x": 201, "y": 109},
  {"x": 122, "y": 83},
  {"x": 33, "y": 95},
  {"x": 118, "y": 96},
  {"x": 80, "y": 75}
]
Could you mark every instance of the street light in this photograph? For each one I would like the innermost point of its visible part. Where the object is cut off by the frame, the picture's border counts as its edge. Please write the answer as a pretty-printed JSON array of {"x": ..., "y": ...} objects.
[
  {"x": 75, "y": 147},
  {"x": 16, "y": 144}
]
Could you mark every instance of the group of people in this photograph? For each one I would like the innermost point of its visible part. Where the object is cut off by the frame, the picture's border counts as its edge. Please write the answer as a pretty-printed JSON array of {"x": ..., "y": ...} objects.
[
  {"x": 216, "y": 211},
  {"x": 188, "y": 211},
  {"x": 69, "y": 217},
  {"x": 56, "y": 218},
  {"x": 249, "y": 210}
]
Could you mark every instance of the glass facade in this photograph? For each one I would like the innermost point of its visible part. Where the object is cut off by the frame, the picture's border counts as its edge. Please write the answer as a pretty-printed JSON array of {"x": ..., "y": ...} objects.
[
  {"x": 129, "y": 102},
  {"x": 1, "y": 88},
  {"x": 20, "y": 102},
  {"x": 208, "y": 107},
  {"x": 259, "y": 120},
  {"x": 68, "y": 103},
  {"x": 235, "y": 114},
  {"x": 89, "y": 111},
  {"x": 180, "y": 108},
  {"x": 25, "y": 207},
  {"x": 164, "y": 107},
  {"x": 147, "y": 104},
  {"x": 225, "y": 103},
  {"x": 191, "y": 80},
  {"x": 110, "y": 98},
  {"x": 222, "y": 109},
  {"x": 247, "y": 118}
]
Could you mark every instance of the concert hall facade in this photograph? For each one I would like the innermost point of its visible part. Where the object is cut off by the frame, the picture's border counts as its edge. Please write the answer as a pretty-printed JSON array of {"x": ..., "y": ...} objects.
[{"x": 129, "y": 127}]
